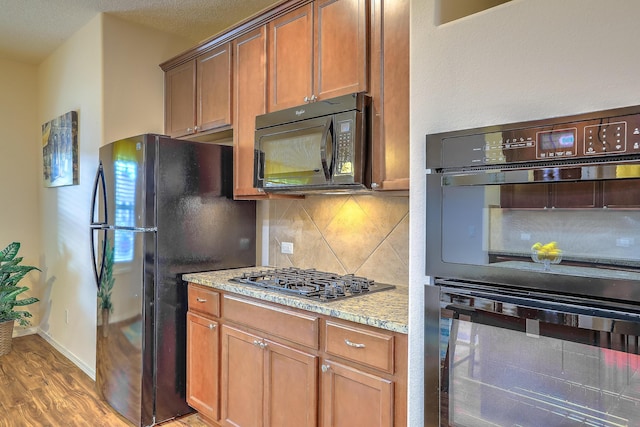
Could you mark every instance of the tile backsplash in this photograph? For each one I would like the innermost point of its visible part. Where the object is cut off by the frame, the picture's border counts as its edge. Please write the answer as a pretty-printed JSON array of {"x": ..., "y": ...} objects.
[{"x": 364, "y": 235}]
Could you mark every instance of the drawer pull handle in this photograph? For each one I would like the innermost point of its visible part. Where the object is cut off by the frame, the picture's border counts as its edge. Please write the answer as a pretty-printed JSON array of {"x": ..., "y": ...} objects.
[
  {"x": 201, "y": 299},
  {"x": 353, "y": 344}
]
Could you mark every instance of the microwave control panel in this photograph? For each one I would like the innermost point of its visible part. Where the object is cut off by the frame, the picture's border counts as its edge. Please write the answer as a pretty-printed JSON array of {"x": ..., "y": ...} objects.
[
  {"x": 580, "y": 139},
  {"x": 344, "y": 147}
]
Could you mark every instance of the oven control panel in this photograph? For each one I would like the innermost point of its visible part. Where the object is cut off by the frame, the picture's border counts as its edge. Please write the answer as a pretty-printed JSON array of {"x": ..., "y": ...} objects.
[{"x": 603, "y": 136}]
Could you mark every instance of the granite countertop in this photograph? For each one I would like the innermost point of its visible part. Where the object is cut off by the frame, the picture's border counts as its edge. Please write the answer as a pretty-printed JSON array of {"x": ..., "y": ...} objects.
[{"x": 385, "y": 309}]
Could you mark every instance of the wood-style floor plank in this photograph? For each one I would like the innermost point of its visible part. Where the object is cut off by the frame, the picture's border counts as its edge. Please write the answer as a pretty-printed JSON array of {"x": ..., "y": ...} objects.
[{"x": 40, "y": 387}]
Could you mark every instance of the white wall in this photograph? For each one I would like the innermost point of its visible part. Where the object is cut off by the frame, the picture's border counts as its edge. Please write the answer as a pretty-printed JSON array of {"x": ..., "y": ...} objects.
[
  {"x": 522, "y": 60},
  {"x": 20, "y": 171},
  {"x": 108, "y": 72}
]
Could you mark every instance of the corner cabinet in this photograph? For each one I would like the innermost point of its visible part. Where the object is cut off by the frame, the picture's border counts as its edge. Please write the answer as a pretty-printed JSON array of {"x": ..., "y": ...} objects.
[
  {"x": 318, "y": 51},
  {"x": 198, "y": 94},
  {"x": 264, "y": 364}
]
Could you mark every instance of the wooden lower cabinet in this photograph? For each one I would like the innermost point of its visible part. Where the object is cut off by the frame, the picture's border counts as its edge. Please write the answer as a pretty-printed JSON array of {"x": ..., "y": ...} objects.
[
  {"x": 354, "y": 398},
  {"x": 258, "y": 365},
  {"x": 265, "y": 383},
  {"x": 202, "y": 365}
]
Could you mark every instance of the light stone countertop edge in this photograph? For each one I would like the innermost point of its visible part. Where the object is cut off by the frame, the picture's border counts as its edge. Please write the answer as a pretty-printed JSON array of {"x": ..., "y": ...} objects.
[{"x": 384, "y": 309}]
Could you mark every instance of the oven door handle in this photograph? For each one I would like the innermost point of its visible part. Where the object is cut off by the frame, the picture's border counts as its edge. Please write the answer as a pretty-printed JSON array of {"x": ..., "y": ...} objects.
[{"x": 590, "y": 172}]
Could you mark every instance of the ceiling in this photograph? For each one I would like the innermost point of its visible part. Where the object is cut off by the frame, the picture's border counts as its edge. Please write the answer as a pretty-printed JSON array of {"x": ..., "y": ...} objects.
[{"x": 31, "y": 29}]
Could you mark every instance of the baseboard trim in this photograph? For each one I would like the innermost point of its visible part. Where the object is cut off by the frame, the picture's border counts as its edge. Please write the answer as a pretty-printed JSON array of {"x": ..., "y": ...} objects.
[{"x": 66, "y": 353}]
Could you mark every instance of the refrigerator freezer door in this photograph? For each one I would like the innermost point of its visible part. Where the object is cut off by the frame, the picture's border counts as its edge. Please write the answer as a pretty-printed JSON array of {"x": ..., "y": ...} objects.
[
  {"x": 128, "y": 165},
  {"x": 124, "y": 332}
]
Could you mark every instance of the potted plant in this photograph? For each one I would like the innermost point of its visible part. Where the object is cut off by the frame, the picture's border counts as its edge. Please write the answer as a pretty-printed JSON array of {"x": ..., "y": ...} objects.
[
  {"x": 106, "y": 286},
  {"x": 11, "y": 272}
]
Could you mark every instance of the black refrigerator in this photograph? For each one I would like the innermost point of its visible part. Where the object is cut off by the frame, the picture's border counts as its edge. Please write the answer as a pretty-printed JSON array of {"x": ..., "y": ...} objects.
[{"x": 160, "y": 208}]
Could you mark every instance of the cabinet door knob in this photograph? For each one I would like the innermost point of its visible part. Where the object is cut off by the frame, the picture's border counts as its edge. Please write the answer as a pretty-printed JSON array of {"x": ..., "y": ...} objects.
[
  {"x": 256, "y": 343},
  {"x": 212, "y": 326},
  {"x": 325, "y": 368},
  {"x": 313, "y": 98},
  {"x": 306, "y": 99},
  {"x": 190, "y": 130},
  {"x": 353, "y": 344},
  {"x": 201, "y": 299}
]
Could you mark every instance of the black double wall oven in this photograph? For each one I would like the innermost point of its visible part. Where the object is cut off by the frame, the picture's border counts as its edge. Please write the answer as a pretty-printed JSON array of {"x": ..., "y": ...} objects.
[{"x": 533, "y": 252}]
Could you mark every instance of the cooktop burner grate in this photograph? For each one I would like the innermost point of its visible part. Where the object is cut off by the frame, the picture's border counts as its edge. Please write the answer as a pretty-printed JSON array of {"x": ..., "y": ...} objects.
[{"x": 311, "y": 283}]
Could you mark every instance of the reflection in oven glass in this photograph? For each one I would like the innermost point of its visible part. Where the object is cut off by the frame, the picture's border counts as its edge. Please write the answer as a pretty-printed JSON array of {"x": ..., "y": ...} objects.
[{"x": 500, "y": 377}]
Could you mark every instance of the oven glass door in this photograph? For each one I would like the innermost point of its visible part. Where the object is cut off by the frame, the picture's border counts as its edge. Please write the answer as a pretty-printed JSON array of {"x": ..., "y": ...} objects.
[
  {"x": 509, "y": 361},
  {"x": 481, "y": 229},
  {"x": 296, "y": 154}
]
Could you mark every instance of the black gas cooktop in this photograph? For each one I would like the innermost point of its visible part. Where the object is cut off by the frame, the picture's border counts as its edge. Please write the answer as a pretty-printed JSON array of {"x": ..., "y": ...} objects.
[{"x": 311, "y": 283}]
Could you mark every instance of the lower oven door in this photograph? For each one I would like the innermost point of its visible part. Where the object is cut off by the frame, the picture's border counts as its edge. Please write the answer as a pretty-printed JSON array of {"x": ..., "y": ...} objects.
[{"x": 512, "y": 360}]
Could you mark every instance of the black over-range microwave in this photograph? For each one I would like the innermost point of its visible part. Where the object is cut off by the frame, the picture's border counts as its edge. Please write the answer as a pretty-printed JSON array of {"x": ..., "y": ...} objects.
[{"x": 318, "y": 147}]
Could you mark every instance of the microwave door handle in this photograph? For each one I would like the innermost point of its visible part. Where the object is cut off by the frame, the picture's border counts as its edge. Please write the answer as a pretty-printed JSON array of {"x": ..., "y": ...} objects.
[{"x": 326, "y": 158}]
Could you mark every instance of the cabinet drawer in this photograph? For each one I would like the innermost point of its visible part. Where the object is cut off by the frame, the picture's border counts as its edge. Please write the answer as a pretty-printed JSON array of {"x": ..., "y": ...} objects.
[
  {"x": 295, "y": 327},
  {"x": 205, "y": 301},
  {"x": 361, "y": 346}
]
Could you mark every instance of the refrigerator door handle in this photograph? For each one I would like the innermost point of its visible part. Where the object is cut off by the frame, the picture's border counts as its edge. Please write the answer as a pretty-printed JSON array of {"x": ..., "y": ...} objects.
[
  {"x": 99, "y": 181},
  {"x": 98, "y": 226}
]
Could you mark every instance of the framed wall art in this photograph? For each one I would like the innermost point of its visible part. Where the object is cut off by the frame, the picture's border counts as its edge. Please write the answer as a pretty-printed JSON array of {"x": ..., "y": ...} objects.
[{"x": 60, "y": 150}]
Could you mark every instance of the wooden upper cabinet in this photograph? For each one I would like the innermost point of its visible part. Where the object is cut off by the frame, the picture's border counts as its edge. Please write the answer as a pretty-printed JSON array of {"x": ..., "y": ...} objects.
[
  {"x": 250, "y": 94},
  {"x": 291, "y": 58},
  {"x": 198, "y": 94},
  {"x": 180, "y": 99},
  {"x": 213, "y": 73},
  {"x": 390, "y": 92},
  {"x": 318, "y": 51},
  {"x": 340, "y": 47}
]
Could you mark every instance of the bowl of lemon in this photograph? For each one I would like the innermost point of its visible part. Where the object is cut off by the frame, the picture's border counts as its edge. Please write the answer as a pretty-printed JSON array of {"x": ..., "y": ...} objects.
[{"x": 546, "y": 254}]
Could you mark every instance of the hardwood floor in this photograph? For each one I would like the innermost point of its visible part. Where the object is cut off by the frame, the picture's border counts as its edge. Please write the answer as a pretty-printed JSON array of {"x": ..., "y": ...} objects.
[{"x": 41, "y": 387}]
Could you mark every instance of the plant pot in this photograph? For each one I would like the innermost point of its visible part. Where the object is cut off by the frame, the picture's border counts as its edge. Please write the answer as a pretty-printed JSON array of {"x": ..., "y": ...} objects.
[
  {"x": 105, "y": 322},
  {"x": 6, "y": 334}
]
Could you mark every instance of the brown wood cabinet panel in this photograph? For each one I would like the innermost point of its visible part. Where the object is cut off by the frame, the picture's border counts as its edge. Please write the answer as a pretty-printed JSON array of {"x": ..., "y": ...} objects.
[
  {"x": 291, "y": 58},
  {"x": 340, "y": 47},
  {"x": 213, "y": 73},
  {"x": 180, "y": 100},
  {"x": 575, "y": 194},
  {"x": 242, "y": 374},
  {"x": 524, "y": 196},
  {"x": 390, "y": 92},
  {"x": 354, "y": 398},
  {"x": 361, "y": 346},
  {"x": 621, "y": 193},
  {"x": 203, "y": 300},
  {"x": 250, "y": 100},
  {"x": 295, "y": 327},
  {"x": 202, "y": 365},
  {"x": 291, "y": 393}
]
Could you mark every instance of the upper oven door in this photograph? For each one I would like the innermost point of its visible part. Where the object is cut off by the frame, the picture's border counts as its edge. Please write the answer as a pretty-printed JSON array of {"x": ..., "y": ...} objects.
[
  {"x": 573, "y": 229},
  {"x": 295, "y": 154}
]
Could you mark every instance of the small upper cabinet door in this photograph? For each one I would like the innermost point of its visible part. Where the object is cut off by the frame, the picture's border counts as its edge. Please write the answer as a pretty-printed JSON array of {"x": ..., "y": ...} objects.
[
  {"x": 250, "y": 100},
  {"x": 291, "y": 58},
  {"x": 180, "y": 93},
  {"x": 340, "y": 46},
  {"x": 214, "y": 88}
]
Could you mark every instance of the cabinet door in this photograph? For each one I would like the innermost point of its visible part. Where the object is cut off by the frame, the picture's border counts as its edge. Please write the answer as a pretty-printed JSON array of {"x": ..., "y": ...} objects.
[
  {"x": 574, "y": 194},
  {"x": 390, "y": 92},
  {"x": 291, "y": 58},
  {"x": 180, "y": 100},
  {"x": 354, "y": 398},
  {"x": 214, "y": 88},
  {"x": 621, "y": 193},
  {"x": 340, "y": 47},
  {"x": 291, "y": 377},
  {"x": 520, "y": 196},
  {"x": 250, "y": 100},
  {"x": 242, "y": 374},
  {"x": 202, "y": 365}
]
